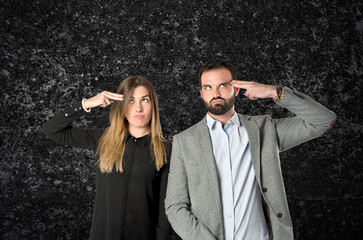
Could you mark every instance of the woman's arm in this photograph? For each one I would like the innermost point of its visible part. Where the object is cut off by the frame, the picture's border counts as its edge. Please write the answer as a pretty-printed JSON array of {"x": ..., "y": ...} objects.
[{"x": 60, "y": 129}]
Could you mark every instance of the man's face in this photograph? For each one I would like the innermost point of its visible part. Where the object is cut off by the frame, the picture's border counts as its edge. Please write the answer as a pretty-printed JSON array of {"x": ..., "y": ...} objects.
[{"x": 217, "y": 91}]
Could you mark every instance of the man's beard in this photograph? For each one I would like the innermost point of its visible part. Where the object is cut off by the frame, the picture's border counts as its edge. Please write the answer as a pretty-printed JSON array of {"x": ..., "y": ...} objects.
[{"x": 220, "y": 108}]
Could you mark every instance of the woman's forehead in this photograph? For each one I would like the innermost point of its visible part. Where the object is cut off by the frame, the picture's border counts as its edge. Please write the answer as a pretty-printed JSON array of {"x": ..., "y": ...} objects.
[{"x": 139, "y": 92}]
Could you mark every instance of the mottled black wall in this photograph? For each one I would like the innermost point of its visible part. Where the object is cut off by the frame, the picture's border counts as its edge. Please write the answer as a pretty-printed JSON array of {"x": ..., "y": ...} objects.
[{"x": 53, "y": 53}]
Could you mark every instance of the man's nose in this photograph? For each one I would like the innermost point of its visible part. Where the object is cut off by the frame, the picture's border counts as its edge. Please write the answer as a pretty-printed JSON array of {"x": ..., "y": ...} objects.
[{"x": 216, "y": 93}]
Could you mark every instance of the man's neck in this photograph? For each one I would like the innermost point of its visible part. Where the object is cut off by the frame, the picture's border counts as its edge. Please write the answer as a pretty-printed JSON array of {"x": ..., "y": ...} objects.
[{"x": 223, "y": 118}]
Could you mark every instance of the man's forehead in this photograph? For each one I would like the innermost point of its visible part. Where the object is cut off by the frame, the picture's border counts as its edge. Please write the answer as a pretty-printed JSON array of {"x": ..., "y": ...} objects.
[{"x": 215, "y": 76}]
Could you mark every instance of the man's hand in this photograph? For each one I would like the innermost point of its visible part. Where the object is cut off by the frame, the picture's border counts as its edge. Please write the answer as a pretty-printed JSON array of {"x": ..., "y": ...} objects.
[
  {"x": 102, "y": 100},
  {"x": 255, "y": 90}
]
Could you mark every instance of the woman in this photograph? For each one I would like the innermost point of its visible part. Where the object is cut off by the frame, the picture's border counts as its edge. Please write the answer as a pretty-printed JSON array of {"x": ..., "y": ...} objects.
[{"x": 132, "y": 161}]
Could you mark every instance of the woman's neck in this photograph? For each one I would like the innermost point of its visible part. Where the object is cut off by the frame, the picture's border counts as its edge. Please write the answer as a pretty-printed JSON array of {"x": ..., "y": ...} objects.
[{"x": 138, "y": 132}]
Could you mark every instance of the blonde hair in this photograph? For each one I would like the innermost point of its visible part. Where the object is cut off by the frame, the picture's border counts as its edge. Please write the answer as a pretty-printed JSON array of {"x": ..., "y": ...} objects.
[{"x": 111, "y": 147}]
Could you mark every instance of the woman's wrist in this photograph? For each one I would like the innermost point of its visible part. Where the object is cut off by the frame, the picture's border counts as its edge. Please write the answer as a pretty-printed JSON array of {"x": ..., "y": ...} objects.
[{"x": 84, "y": 105}]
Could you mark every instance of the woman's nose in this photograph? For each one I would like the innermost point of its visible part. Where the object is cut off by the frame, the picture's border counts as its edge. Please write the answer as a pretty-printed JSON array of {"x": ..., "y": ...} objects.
[{"x": 138, "y": 107}]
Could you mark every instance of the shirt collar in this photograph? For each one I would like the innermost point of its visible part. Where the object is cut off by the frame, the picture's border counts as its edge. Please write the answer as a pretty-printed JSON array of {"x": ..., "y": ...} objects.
[
  {"x": 235, "y": 120},
  {"x": 211, "y": 122},
  {"x": 144, "y": 140}
]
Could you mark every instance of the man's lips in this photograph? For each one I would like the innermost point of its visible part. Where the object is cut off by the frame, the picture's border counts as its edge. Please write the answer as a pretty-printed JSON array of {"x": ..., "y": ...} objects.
[{"x": 216, "y": 101}]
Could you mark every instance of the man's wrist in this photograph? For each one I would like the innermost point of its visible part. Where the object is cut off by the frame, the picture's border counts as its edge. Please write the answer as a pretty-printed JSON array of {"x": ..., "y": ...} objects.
[
  {"x": 280, "y": 93},
  {"x": 274, "y": 91}
]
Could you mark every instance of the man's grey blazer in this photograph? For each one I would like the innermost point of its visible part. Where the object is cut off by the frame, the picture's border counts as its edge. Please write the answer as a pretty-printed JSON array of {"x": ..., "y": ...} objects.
[{"x": 193, "y": 200}]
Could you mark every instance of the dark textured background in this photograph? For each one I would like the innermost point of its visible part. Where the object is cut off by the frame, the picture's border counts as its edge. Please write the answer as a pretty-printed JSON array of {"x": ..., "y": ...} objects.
[{"x": 53, "y": 53}]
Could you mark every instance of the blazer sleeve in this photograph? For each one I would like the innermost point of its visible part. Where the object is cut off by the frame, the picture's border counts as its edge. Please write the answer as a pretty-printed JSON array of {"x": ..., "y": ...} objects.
[
  {"x": 60, "y": 129},
  {"x": 311, "y": 120},
  {"x": 177, "y": 202}
]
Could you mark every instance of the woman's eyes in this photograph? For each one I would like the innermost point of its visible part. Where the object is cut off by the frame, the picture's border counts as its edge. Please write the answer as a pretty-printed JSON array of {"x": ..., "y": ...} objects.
[{"x": 142, "y": 100}]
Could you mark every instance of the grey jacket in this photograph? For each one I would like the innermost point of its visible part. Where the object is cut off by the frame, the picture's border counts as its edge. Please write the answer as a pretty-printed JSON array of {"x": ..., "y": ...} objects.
[{"x": 193, "y": 200}]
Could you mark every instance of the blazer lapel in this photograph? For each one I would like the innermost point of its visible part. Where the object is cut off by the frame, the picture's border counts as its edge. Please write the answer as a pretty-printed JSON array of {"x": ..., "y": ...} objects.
[
  {"x": 254, "y": 141},
  {"x": 206, "y": 150}
]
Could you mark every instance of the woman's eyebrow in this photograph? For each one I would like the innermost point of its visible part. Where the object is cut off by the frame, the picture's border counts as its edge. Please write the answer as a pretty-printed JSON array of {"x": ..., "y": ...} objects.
[{"x": 146, "y": 96}]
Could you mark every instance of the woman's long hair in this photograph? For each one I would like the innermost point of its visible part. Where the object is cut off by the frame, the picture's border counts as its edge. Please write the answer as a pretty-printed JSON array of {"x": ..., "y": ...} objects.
[{"x": 111, "y": 147}]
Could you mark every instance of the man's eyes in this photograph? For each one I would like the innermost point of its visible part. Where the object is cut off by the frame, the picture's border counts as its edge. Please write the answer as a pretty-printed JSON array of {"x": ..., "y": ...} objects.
[{"x": 223, "y": 85}]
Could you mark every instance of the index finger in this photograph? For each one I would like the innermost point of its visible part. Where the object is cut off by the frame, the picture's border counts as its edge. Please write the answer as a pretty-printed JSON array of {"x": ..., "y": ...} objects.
[
  {"x": 241, "y": 84},
  {"x": 114, "y": 96}
]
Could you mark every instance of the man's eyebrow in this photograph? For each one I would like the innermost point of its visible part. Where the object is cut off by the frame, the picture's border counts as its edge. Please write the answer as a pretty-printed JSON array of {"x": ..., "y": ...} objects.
[{"x": 229, "y": 83}]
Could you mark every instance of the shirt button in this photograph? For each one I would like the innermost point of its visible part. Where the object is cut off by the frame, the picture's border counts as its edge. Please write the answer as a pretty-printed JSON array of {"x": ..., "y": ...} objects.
[
  {"x": 66, "y": 114},
  {"x": 264, "y": 189},
  {"x": 279, "y": 215},
  {"x": 75, "y": 109}
]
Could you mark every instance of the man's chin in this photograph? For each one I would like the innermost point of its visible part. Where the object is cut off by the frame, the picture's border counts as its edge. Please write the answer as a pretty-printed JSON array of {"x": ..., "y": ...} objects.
[{"x": 217, "y": 111}]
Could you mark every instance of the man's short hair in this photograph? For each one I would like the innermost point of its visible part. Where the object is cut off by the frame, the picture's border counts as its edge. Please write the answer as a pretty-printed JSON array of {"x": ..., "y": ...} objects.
[{"x": 215, "y": 64}]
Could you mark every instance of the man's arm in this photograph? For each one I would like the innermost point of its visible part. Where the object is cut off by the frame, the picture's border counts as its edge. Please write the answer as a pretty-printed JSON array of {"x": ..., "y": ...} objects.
[
  {"x": 312, "y": 119},
  {"x": 177, "y": 202}
]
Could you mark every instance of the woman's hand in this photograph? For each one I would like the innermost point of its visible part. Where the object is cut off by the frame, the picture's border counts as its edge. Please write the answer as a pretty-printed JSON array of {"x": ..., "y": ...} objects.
[{"x": 102, "y": 100}]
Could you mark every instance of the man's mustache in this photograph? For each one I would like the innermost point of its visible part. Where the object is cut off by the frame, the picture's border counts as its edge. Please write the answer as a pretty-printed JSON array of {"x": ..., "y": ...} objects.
[{"x": 217, "y": 99}]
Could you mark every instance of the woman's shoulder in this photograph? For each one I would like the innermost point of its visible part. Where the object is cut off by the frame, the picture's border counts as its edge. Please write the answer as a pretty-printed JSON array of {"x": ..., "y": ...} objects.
[
  {"x": 168, "y": 146},
  {"x": 167, "y": 142}
]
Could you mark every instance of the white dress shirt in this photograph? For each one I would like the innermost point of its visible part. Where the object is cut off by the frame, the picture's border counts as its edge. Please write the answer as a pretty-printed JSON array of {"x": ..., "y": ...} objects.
[{"x": 241, "y": 197}]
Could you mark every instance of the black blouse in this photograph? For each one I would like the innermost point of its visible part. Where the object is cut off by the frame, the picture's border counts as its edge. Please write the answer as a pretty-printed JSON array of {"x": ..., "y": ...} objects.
[{"x": 128, "y": 205}]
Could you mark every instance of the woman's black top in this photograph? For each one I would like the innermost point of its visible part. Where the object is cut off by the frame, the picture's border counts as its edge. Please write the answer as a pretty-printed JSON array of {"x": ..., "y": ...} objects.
[{"x": 128, "y": 205}]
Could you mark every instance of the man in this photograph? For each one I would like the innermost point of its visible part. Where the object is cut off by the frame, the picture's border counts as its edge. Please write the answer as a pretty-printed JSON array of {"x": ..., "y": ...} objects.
[{"x": 225, "y": 178}]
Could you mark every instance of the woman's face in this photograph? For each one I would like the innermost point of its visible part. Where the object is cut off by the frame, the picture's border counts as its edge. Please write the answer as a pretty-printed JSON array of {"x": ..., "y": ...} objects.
[{"x": 139, "y": 109}]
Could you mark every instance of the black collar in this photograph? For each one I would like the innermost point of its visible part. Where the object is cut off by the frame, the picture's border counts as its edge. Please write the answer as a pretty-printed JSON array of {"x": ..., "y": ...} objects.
[{"x": 143, "y": 141}]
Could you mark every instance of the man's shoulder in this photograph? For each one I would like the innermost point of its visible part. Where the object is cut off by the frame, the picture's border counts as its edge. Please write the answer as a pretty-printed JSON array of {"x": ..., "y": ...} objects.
[
  {"x": 191, "y": 131},
  {"x": 254, "y": 118}
]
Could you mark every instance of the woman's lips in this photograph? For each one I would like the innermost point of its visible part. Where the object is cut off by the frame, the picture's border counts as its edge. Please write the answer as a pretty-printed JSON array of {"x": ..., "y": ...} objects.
[{"x": 139, "y": 116}]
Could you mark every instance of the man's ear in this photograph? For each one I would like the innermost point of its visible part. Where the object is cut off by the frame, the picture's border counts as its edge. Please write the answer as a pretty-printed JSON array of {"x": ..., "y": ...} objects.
[
  {"x": 201, "y": 93},
  {"x": 236, "y": 91}
]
